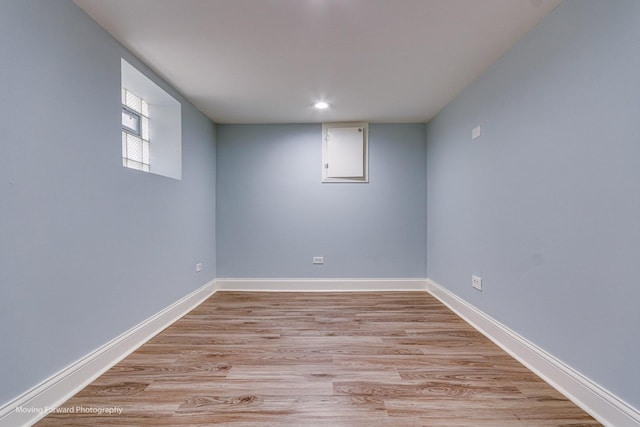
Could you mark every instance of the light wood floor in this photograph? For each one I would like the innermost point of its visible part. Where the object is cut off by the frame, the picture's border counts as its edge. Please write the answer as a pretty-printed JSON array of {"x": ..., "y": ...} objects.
[{"x": 321, "y": 359}]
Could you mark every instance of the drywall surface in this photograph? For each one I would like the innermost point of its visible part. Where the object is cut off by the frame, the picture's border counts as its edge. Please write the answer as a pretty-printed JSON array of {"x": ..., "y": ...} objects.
[
  {"x": 89, "y": 248},
  {"x": 275, "y": 214},
  {"x": 545, "y": 204}
]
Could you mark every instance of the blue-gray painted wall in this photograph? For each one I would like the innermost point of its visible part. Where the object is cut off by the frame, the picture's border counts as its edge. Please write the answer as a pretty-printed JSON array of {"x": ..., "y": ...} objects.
[
  {"x": 88, "y": 248},
  {"x": 545, "y": 206},
  {"x": 274, "y": 213}
]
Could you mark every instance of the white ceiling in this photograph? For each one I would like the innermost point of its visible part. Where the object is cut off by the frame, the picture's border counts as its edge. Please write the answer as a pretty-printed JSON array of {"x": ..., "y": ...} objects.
[{"x": 268, "y": 61}]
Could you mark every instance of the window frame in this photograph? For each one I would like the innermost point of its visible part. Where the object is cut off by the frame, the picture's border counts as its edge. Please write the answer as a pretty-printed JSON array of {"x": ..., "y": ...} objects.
[
  {"x": 131, "y": 112},
  {"x": 131, "y": 135},
  {"x": 165, "y": 123}
]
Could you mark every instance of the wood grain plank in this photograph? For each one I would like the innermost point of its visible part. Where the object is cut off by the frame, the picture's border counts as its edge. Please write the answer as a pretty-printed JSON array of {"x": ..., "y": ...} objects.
[{"x": 321, "y": 359}]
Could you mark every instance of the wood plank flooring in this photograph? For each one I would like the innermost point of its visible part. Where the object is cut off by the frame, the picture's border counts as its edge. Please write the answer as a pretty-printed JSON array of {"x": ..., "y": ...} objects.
[{"x": 320, "y": 359}]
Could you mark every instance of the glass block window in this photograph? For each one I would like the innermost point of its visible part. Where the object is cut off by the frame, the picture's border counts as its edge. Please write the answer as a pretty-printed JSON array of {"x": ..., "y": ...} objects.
[{"x": 135, "y": 132}]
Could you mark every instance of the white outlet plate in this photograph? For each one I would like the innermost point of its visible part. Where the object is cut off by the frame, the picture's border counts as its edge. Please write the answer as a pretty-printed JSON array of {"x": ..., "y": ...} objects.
[
  {"x": 475, "y": 132},
  {"x": 198, "y": 267},
  {"x": 318, "y": 260},
  {"x": 476, "y": 282}
]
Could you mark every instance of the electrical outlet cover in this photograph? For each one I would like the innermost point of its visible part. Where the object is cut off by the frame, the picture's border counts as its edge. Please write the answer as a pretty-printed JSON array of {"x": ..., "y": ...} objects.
[
  {"x": 475, "y": 132},
  {"x": 476, "y": 282}
]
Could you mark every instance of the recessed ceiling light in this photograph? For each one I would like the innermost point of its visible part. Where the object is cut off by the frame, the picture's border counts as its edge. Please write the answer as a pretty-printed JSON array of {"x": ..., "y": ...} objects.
[{"x": 321, "y": 105}]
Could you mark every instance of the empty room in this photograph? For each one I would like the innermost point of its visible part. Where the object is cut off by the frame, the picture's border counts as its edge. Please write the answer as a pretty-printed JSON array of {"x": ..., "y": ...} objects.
[{"x": 320, "y": 213}]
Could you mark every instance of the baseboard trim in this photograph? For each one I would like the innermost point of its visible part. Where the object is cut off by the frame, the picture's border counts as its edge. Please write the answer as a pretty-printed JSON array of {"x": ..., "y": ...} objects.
[
  {"x": 54, "y": 391},
  {"x": 320, "y": 285},
  {"x": 597, "y": 401},
  {"x": 604, "y": 406}
]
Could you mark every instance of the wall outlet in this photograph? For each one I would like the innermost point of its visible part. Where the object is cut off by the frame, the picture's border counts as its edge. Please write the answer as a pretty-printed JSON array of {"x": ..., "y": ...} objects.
[
  {"x": 318, "y": 260},
  {"x": 476, "y": 282},
  {"x": 198, "y": 267},
  {"x": 475, "y": 132}
]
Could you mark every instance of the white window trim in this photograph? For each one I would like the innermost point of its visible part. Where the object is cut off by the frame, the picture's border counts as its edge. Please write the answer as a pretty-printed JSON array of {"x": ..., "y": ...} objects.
[{"x": 165, "y": 124}]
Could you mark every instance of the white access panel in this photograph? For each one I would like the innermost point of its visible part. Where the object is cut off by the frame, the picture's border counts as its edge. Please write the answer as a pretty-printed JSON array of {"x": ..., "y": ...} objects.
[{"x": 345, "y": 153}]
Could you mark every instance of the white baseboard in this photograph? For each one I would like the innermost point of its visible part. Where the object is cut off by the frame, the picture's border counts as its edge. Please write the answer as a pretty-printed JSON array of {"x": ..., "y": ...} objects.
[
  {"x": 605, "y": 407},
  {"x": 320, "y": 285},
  {"x": 31, "y": 406},
  {"x": 600, "y": 403}
]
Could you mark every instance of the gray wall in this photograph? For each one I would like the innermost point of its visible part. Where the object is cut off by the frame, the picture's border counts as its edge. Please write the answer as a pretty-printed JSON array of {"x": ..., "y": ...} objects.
[
  {"x": 274, "y": 214},
  {"x": 88, "y": 248},
  {"x": 546, "y": 204}
]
